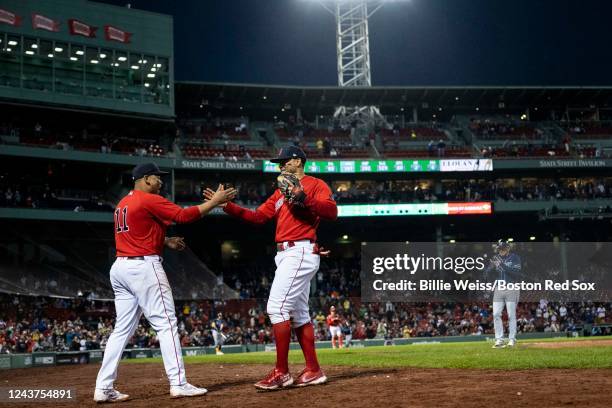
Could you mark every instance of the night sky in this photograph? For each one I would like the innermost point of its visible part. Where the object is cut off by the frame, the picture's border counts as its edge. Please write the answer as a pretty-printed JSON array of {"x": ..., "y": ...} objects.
[{"x": 416, "y": 42}]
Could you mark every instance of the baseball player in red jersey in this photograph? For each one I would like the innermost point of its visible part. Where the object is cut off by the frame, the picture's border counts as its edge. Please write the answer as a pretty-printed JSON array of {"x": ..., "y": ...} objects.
[
  {"x": 333, "y": 323},
  {"x": 298, "y": 205},
  {"x": 139, "y": 281}
]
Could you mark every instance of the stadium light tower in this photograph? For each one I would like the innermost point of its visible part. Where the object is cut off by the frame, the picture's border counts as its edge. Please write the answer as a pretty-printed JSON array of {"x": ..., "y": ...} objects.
[{"x": 353, "y": 55}]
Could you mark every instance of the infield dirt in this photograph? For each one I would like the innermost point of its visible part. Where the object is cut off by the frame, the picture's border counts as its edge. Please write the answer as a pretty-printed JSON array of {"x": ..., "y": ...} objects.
[{"x": 231, "y": 385}]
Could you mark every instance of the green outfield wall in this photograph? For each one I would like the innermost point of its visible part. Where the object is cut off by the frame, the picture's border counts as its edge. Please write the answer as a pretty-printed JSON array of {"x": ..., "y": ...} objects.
[{"x": 9, "y": 361}]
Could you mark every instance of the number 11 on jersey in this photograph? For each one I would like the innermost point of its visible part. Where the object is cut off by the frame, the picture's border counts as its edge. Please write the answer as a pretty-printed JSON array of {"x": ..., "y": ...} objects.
[{"x": 119, "y": 214}]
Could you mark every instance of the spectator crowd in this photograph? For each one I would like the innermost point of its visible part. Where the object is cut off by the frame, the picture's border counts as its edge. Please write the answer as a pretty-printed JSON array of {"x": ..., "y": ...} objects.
[
  {"x": 30, "y": 324},
  {"x": 15, "y": 195},
  {"x": 253, "y": 193}
]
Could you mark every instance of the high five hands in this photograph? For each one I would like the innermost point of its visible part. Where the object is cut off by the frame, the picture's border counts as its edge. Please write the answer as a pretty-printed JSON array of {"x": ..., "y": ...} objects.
[
  {"x": 220, "y": 197},
  {"x": 209, "y": 195}
]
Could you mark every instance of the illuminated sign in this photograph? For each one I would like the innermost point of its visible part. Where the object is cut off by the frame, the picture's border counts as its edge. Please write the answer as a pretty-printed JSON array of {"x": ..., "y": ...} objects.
[
  {"x": 388, "y": 166},
  {"x": 375, "y": 210},
  {"x": 466, "y": 165}
]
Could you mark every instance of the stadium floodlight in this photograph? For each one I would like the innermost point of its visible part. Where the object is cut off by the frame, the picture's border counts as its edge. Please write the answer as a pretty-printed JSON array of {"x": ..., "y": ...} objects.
[
  {"x": 352, "y": 39},
  {"x": 353, "y": 56}
]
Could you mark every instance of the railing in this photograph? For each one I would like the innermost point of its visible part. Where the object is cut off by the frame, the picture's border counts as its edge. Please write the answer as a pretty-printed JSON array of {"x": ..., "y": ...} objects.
[{"x": 42, "y": 359}]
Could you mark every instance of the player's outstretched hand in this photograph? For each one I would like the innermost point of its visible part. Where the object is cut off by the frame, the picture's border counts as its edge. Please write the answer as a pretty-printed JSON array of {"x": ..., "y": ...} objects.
[
  {"x": 324, "y": 252},
  {"x": 177, "y": 243},
  {"x": 220, "y": 197}
]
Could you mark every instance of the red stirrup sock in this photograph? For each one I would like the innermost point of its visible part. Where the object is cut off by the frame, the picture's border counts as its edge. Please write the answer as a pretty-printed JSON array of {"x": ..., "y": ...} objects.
[
  {"x": 282, "y": 338},
  {"x": 305, "y": 335}
]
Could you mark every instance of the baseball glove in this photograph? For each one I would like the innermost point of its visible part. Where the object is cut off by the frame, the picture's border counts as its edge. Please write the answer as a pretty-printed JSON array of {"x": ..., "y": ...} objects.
[{"x": 291, "y": 188}]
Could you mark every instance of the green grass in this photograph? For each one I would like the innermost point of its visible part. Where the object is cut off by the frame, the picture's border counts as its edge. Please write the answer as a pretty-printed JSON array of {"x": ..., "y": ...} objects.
[{"x": 477, "y": 355}]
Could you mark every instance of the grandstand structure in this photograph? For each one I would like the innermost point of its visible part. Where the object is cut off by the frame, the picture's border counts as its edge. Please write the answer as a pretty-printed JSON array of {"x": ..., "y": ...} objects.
[
  {"x": 86, "y": 55},
  {"x": 456, "y": 165}
]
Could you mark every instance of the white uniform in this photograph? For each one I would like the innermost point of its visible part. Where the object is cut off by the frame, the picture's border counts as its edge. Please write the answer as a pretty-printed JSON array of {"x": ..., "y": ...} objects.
[
  {"x": 510, "y": 299},
  {"x": 217, "y": 333},
  {"x": 295, "y": 267},
  {"x": 218, "y": 338},
  {"x": 335, "y": 331},
  {"x": 141, "y": 287}
]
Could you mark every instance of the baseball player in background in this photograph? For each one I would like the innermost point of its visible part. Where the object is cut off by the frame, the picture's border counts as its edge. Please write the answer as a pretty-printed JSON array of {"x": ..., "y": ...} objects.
[
  {"x": 217, "y": 327},
  {"x": 139, "y": 281},
  {"x": 507, "y": 267},
  {"x": 335, "y": 331},
  {"x": 298, "y": 206},
  {"x": 347, "y": 332}
]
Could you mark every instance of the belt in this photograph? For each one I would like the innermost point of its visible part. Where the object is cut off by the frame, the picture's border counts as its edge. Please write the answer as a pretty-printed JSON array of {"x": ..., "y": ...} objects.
[
  {"x": 134, "y": 258},
  {"x": 282, "y": 246}
]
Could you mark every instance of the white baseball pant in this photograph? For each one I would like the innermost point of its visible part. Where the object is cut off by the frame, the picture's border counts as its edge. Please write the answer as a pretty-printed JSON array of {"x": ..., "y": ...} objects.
[
  {"x": 218, "y": 338},
  {"x": 335, "y": 331},
  {"x": 510, "y": 299},
  {"x": 141, "y": 286},
  {"x": 295, "y": 267}
]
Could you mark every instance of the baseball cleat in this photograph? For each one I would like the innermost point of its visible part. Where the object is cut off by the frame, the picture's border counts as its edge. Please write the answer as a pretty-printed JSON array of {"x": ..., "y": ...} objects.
[
  {"x": 308, "y": 377},
  {"x": 499, "y": 344},
  {"x": 109, "y": 395},
  {"x": 512, "y": 343},
  {"x": 275, "y": 380},
  {"x": 186, "y": 390}
]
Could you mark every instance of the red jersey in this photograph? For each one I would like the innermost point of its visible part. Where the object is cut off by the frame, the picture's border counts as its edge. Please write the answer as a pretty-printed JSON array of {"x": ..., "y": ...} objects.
[
  {"x": 293, "y": 223},
  {"x": 141, "y": 220},
  {"x": 333, "y": 320}
]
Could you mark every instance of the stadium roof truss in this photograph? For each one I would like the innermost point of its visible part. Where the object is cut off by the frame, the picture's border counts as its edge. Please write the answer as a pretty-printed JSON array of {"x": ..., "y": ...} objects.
[
  {"x": 353, "y": 57},
  {"x": 249, "y": 96}
]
